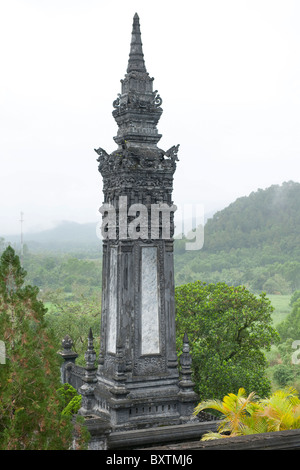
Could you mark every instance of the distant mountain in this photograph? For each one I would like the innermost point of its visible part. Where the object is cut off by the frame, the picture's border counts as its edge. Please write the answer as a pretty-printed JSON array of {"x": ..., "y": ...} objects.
[
  {"x": 65, "y": 237},
  {"x": 254, "y": 241}
]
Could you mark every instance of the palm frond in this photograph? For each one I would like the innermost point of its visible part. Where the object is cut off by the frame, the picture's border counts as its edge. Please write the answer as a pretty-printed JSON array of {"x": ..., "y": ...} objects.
[
  {"x": 244, "y": 415},
  {"x": 209, "y": 404}
]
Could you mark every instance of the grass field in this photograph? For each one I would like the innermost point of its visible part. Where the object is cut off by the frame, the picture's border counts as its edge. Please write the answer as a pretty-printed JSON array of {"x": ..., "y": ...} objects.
[{"x": 281, "y": 305}]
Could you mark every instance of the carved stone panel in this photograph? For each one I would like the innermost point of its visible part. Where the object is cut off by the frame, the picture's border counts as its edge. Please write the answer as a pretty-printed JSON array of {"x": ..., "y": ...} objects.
[
  {"x": 150, "y": 336},
  {"x": 112, "y": 310}
]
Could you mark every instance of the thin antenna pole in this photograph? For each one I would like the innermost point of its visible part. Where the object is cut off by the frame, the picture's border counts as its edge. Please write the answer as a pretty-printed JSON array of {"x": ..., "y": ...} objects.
[{"x": 22, "y": 246}]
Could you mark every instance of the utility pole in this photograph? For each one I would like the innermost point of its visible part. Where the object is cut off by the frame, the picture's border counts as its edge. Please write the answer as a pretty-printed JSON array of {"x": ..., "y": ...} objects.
[{"x": 22, "y": 246}]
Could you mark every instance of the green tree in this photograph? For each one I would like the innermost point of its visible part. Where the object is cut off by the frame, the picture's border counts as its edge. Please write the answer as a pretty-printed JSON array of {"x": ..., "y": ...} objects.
[
  {"x": 30, "y": 417},
  {"x": 229, "y": 328},
  {"x": 283, "y": 374},
  {"x": 276, "y": 285},
  {"x": 294, "y": 297}
]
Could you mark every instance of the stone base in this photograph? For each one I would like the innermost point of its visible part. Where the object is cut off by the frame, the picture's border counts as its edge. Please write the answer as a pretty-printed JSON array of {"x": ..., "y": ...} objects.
[{"x": 143, "y": 404}]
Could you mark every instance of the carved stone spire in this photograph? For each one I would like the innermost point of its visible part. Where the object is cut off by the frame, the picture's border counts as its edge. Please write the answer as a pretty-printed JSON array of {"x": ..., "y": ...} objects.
[
  {"x": 136, "y": 57},
  {"x": 137, "y": 108}
]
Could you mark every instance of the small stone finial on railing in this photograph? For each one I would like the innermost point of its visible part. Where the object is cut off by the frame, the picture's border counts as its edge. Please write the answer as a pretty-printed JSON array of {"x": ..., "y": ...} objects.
[
  {"x": 186, "y": 364},
  {"x": 69, "y": 357},
  {"x": 119, "y": 390},
  {"x": 120, "y": 362},
  {"x": 67, "y": 343},
  {"x": 67, "y": 353},
  {"x": 90, "y": 359},
  {"x": 89, "y": 378}
]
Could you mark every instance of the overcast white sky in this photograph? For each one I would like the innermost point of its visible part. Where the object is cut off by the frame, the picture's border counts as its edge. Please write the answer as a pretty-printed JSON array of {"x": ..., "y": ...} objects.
[{"x": 228, "y": 72}]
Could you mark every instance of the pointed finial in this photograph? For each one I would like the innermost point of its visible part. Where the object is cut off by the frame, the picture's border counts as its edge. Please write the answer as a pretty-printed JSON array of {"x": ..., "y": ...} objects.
[
  {"x": 186, "y": 366},
  {"x": 90, "y": 355},
  {"x": 185, "y": 358},
  {"x": 136, "y": 57},
  {"x": 90, "y": 334}
]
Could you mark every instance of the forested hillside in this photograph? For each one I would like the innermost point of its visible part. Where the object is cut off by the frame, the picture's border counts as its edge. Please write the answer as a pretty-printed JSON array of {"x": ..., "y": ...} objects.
[{"x": 254, "y": 241}]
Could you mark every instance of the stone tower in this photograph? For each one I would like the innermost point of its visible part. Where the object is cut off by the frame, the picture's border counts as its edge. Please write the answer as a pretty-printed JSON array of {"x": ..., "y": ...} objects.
[{"x": 137, "y": 382}]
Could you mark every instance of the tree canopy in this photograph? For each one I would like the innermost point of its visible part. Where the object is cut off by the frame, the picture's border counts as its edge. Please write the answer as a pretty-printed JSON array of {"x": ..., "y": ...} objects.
[{"x": 229, "y": 328}]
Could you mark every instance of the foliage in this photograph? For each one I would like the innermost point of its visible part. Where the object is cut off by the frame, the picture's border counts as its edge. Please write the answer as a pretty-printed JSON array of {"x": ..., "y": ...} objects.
[
  {"x": 228, "y": 328},
  {"x": 244, "y": 415},
  {"x": 72, "y": 407},
  {"x": 52, "y": 272},
  {"x": 70, "y": 399},
  {"x": 271, "y": 215},
  {"x": 290, "y": 327},
  {"x": 70, "y": 288},
  {"x": 74, "y": 318},
  {"x": 294, "y": 297},
  {"x": 281, "y": 307},
  {"x": 81, "y": 434},
  {"x": 70, "y": 402},
  {"x": 30, "y": 416},
  {"x": 282, "y": 374},
  {"x": 66, "y": 393}
]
